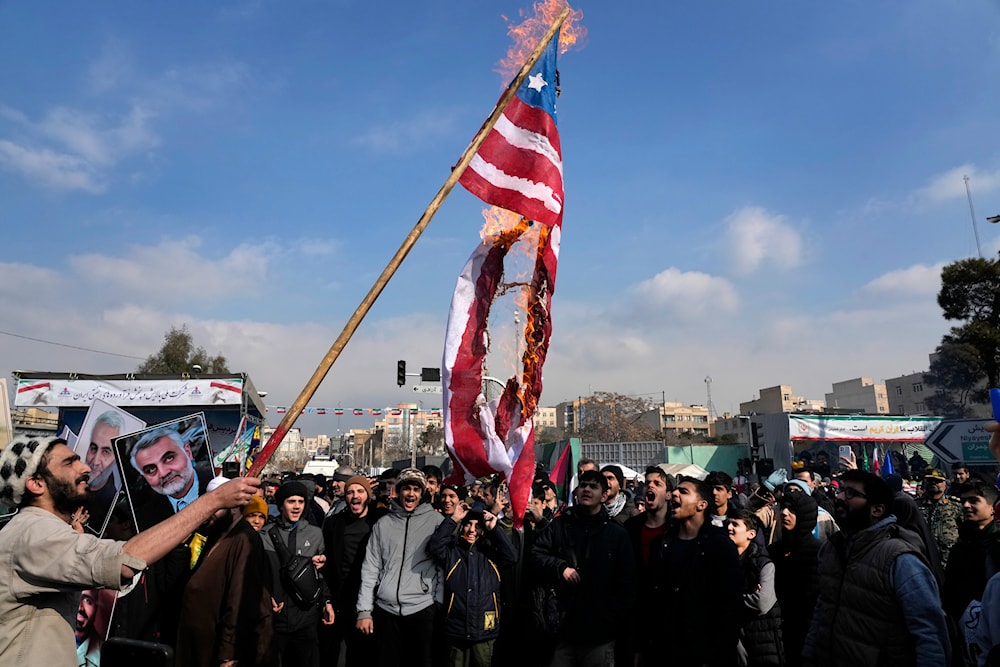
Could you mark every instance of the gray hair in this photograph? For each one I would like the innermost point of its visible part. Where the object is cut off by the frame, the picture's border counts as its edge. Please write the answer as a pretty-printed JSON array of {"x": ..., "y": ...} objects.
[
  {"x": 112, "y": 419},
  {"x": 150, "y": 437}
]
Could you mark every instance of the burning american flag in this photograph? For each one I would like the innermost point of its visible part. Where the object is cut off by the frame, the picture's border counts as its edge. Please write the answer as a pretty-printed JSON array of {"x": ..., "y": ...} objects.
[{"x": 517, "y": 168}]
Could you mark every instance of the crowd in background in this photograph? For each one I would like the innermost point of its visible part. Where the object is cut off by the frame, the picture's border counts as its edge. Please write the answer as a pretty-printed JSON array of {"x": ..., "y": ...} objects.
[{"x": 815, "y": 565}]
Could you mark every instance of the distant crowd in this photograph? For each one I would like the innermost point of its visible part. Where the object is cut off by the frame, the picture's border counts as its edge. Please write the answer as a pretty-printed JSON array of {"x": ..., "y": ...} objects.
[{"x": 808, "y": 566}]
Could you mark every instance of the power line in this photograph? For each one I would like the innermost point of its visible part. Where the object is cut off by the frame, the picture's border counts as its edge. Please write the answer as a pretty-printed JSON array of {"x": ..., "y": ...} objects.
[{"x": 75, "y": 347}]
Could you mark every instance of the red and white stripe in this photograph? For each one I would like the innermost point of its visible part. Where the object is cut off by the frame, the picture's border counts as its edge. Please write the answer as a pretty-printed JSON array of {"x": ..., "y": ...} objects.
[{"x": 519, "y": 165}]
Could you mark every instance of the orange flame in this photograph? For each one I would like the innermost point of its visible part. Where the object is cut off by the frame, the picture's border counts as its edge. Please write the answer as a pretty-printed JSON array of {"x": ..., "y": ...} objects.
[
  {"x": 498, "y": 220},
  {"x": 530, "y": 30}
]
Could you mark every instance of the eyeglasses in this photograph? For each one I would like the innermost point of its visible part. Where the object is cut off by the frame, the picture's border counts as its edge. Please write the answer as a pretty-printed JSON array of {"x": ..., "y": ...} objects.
[{"x": 850, "y": 493}]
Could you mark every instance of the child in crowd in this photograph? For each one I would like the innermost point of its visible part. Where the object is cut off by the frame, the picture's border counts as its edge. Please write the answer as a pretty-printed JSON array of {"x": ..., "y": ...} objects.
[{"x": 760, "y": 635}]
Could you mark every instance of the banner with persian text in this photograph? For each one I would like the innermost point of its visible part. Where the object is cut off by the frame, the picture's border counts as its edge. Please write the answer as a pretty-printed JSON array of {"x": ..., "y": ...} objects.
[
  {"x": 69, "y": 393},
  {"x": 861, "y": 427}
]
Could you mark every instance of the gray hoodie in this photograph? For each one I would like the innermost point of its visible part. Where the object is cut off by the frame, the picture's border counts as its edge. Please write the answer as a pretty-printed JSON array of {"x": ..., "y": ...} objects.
[{"x": 398, "y": 575}]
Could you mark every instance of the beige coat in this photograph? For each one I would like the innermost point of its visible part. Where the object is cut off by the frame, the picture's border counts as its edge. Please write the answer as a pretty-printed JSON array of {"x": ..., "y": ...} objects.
[{"x": 44, "y": 564}]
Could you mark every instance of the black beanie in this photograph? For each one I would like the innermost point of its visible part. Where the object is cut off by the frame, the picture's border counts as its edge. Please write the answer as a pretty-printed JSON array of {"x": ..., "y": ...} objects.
[
  {"x": 617, "y": 472},
  {"x": 289, "y": 489}
]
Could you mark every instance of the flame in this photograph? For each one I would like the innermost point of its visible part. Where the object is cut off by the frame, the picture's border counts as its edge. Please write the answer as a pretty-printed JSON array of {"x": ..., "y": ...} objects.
[
  {"x": 530, "y": 30},
  {"x": 498, "y": 220}
]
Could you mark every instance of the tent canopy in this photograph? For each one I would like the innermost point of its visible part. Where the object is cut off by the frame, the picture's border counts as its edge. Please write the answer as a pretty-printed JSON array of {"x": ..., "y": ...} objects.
[
  {"x": 627, "y": 472},
  {"x": 686, "y": 469}
]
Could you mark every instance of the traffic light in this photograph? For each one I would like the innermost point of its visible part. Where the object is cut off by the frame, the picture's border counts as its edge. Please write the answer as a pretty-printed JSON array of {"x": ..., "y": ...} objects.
[
  {"x": 430, "y": 374},
  {"x": 400, "y": 372}
]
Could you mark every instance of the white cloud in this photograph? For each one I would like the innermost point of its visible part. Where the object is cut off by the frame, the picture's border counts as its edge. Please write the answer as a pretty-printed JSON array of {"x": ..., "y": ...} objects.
[
  {"x": 174, "y": 271},
  {"x": 951, "y": 184},
  {"x": 16, "y": 278},
  {"x": 406, "y": 136},
  {"x": 97, "y": 142},
  {"x": 755, "y": 237},
  {"x": 685, "y": 296},
  {"x": 74, "y": 150},
  {"x": 918, "y": 280},
  {"x": 51, "y": 169}
]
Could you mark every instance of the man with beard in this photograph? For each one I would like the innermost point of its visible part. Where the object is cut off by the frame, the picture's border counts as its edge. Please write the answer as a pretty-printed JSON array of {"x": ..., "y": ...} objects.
[
  {"x": 400, "y": 582},
  {"x": 88, "y": 642},
  {"x": 943, "y": 513},
  {"x": 878, "y": 600},
  {"x": 100, "y": 457},
  {"x": 345, "y": 535},
  {"x": 225, "y": 612},
  {"x": 44, "y": 563},
  {"x": 617, "y": 501},
  {"x": 166, "y": 463}
]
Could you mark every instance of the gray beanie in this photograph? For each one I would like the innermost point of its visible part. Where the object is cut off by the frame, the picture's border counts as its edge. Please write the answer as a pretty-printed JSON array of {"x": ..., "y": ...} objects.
[{"x": 19, "y": 461}]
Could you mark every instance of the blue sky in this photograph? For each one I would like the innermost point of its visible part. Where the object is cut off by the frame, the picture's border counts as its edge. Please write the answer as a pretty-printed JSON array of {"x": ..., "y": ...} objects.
[{"x": 756, "y": 193}]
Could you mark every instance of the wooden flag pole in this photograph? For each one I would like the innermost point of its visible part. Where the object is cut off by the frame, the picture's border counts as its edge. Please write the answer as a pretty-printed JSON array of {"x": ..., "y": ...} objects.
[{"x": 362, "y": 310}]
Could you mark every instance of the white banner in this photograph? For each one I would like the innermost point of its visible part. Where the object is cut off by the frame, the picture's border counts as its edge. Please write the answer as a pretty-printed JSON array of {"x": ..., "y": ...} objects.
[
  {"x": 123, "y": 393},
  {"x": 882, "y": 429}
]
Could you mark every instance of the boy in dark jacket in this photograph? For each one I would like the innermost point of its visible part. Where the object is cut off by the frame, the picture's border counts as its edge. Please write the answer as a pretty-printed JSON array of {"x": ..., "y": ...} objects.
[
  {"x": 760, "y": 634},
  {"x": 471, "y": 561}
]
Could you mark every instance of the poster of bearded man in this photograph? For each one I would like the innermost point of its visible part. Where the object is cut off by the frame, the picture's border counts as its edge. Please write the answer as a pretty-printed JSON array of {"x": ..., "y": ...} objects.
[
  {"x": 165, "y": 468},
  {"x": 102, "y": 424}
]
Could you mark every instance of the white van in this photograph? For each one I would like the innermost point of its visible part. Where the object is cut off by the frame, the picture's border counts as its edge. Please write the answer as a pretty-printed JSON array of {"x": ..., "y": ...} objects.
[{"x": 325, "y": 467}]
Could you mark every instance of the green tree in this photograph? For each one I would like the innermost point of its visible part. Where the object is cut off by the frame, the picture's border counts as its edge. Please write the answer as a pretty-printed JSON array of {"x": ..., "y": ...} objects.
[
  {"x": 178, "y": 354},
  {"x": 968, "y": 362}
]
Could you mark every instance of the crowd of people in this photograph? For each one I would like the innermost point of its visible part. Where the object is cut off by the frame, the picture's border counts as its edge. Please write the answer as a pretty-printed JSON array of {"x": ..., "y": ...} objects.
[{"x": 823, "y": 567}]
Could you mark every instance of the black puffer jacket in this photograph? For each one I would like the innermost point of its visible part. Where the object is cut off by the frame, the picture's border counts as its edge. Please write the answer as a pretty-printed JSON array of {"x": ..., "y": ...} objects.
[{"x": 471, "y": 579}]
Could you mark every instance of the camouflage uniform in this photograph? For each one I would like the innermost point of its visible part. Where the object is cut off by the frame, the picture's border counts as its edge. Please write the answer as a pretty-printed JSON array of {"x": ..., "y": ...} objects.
[{"x": 943, "y": 516}]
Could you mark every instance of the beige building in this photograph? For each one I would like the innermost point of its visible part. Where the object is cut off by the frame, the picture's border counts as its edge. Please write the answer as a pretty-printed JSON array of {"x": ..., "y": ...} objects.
[
  {"x": 779, "y": 399},
  {"x": 545, "y": 418},
  {"x": 679, "y": 418},
  {"x": 908, "y": 394},
  {"x": 859, "y": 394}
]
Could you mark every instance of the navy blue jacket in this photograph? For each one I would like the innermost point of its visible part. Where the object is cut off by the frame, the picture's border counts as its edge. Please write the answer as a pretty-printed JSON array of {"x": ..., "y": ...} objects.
[{"x": 471, "y": 579}]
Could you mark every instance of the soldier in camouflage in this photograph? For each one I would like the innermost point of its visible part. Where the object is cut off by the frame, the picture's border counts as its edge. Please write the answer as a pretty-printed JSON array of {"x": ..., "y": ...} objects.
[{"x": 943, "y": 513}]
